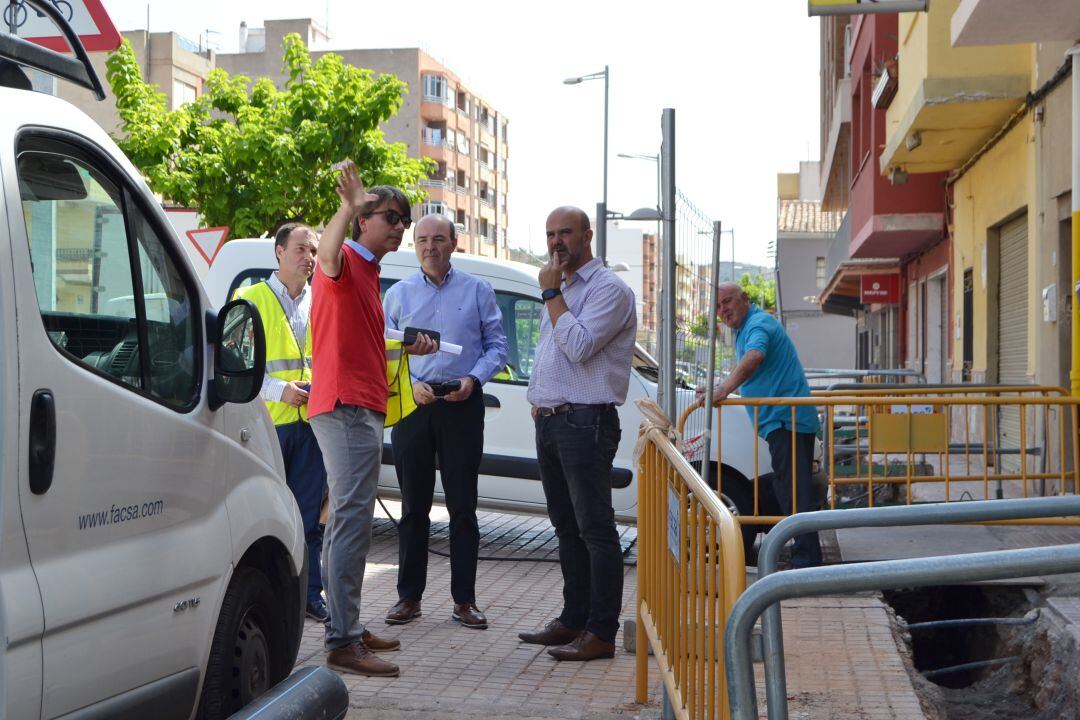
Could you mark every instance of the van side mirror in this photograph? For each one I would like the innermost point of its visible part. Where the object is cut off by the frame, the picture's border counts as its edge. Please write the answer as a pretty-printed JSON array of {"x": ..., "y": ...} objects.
[{"x": 239, "y": 354}]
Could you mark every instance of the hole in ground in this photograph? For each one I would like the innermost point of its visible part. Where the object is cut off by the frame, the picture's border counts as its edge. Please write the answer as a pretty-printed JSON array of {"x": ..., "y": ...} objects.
[
  {"x": 936, "y": 648},
  {"x": 991, "y": 692}
]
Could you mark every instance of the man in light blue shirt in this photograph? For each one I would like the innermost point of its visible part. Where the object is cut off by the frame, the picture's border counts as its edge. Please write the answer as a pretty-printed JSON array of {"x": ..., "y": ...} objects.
[
  {"x": 769, "y": 367},
  {"x": 447, "y": 423}
]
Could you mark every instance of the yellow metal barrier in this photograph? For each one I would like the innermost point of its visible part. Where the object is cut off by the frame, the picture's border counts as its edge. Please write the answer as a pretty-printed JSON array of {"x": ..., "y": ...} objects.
[
  {"x": 690, "y": 572},
  {"x": 1023, "y": 440}
]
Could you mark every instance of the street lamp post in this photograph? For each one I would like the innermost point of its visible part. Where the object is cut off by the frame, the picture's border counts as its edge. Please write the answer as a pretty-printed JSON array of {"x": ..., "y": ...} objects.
[{"x": 601, "y": 208}]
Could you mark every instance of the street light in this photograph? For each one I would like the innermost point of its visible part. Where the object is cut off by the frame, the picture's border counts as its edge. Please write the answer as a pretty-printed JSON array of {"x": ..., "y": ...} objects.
[
  {"x": 643, "y": 214},
  {"x": 650, "y": 158},
  {"x": 601, "y": 209}
]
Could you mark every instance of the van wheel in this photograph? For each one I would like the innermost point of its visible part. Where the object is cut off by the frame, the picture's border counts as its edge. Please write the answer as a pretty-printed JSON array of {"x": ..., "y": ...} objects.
[
  {"x": 248, "y": 654},
  {"x": 740, "y": 491}
]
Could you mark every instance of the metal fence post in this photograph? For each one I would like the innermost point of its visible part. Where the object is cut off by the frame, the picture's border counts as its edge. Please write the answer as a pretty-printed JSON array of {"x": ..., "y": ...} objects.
[
  {"x": 710, "y": 373},
  {"x": 666, "y": 390}
]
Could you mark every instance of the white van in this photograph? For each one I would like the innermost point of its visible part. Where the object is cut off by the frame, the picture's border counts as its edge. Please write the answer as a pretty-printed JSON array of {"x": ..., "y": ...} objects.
[
  {"x": 152, "y": 560},
  {"x": 509, "y": 472}
]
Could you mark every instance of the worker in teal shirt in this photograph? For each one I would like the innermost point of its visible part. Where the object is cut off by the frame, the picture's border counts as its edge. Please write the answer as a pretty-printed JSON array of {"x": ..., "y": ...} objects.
[{"x": 769, "y": 366}]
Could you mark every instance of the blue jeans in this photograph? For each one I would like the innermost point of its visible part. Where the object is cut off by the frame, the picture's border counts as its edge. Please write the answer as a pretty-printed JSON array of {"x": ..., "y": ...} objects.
[
  {"x": 306, "y": 477},
  {"x": 806, "y": 551},
  {"x": 351, "y": 439},
  {"x": 575, "y": 451}
]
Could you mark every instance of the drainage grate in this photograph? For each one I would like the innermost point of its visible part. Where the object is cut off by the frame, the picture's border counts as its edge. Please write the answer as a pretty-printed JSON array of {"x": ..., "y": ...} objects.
[{"x": 518, "y": 537}]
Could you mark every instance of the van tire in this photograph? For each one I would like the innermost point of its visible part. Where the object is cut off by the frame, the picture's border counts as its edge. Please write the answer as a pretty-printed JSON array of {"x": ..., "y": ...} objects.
[
  {"x": 740, "y": 491},
  {"x": 248, "y": 654}
]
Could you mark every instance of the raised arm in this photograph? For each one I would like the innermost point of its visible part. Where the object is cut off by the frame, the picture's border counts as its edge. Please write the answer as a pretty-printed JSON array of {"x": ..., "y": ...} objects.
[{"x": 353, "y": 197}]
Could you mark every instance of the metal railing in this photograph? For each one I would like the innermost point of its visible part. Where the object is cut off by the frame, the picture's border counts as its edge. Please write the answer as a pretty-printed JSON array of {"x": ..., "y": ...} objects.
[
  {"x": 1007, "y": 441},
  {"x": 763, "y": 598},
  {"x": 691, "y": 570},
  {"x": 865, "y": 376}
]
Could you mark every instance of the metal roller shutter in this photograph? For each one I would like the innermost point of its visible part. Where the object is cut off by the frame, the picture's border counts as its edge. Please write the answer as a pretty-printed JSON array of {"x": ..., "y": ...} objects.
[{"x": 1012, "y": 329}]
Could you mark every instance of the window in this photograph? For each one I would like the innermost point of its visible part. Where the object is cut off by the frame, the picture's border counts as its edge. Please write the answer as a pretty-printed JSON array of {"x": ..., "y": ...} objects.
[
  {"x": 463, "y": 220},
  {"x": 436, "y": 89},
  {"x": 247, "y": 278},
  {"x": 435, "y": 207},
  {"x": 521, "y": 323},
  {"x": 110, "y": 296},
  {"x": 463, "y": 102},
  {"x": 819, "y": 273},
  {"x": 433, "y": 135},
  {"x": 182, "y": 93}
]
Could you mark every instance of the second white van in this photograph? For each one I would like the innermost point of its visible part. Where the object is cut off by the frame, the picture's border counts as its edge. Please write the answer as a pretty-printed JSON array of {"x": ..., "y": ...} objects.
[{"x": 509, "y": 472}]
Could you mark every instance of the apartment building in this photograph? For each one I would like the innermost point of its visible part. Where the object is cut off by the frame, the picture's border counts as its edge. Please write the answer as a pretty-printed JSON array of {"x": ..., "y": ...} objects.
[
  {"x": 441, "y": 118},
  {"x": 894, "y": 233},
  {"x": 804, "y": 231},
  {"x": 960, "y": 184},
  {"x": 175, "y": 64}
]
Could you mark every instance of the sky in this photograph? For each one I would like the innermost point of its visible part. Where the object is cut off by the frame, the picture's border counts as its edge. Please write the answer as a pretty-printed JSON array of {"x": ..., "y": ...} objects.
[{"x": 741, "y": 76}]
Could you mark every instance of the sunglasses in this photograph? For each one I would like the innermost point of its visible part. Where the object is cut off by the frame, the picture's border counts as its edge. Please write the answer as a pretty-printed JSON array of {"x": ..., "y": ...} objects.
[{"x": 393, "y": 217}]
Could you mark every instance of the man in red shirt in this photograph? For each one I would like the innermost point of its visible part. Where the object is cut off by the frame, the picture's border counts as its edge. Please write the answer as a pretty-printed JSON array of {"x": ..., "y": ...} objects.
[{"x": 347, "y": 405}]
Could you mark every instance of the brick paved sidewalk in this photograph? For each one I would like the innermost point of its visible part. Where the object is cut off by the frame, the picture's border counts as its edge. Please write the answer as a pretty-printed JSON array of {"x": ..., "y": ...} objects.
[
  {"x": 842, "y": 661},
  {"x": 449, "y": 671}
]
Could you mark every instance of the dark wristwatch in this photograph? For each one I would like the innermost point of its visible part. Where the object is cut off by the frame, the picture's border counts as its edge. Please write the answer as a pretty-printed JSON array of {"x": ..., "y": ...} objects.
[{"x": 550, "y": 293}]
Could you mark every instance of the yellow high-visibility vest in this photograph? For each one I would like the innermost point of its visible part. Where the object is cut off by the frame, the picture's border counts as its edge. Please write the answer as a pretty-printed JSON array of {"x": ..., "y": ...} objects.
[
  {"x": 400, "y": 401},
  {"x": 285, "y": 359}
]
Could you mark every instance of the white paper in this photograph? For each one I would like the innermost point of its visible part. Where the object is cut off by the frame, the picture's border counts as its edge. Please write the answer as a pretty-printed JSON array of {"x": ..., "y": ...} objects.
[{"x": 444, "y": 346}]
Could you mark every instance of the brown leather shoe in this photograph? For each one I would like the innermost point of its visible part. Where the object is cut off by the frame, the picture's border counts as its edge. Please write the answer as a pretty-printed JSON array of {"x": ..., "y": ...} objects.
[
  {"x": 585, "y": 647},
  {"x": 470, "y": 616},
  {"x": 554, "y": 633},
  {"x": 358, "y": 660},
  {"x": 377, "y": 644},
  {"x": 404, "y": 612}
]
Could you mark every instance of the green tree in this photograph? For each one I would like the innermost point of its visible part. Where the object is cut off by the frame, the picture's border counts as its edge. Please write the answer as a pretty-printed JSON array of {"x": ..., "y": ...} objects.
[
  {"x": 251, "y": 156},
  {"x": 760, "y": 290}
]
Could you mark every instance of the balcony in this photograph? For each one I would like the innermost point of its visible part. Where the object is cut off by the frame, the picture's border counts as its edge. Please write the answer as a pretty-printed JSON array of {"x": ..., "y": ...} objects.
[
  {"x": 1004, "y": 22},
  {"x": 435, "y": 137},
  {"x": 950, "y": 101},
  {"x": 836, "y": 165}
]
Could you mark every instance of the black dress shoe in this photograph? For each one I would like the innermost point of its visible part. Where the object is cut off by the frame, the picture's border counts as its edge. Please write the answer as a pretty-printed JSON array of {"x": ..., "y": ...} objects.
[
  {"x": 554, "y": 633},
  {"x": 404, "y": 612},
  {"x": 317, "y": 610},
  {"x": 585, "y": 647},
  {"x": 470, "y": 616}
]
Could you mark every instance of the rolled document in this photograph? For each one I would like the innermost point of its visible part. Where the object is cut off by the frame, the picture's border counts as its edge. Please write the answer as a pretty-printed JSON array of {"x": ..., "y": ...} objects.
[{"x": 446, "y": 347}]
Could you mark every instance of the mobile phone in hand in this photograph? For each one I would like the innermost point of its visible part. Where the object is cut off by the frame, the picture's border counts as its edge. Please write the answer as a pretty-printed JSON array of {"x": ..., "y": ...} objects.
[{"x": 445, "y": 388}]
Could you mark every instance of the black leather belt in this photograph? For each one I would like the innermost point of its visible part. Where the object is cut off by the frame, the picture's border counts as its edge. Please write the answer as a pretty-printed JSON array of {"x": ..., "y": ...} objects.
[{"x": 570, "y": 407}]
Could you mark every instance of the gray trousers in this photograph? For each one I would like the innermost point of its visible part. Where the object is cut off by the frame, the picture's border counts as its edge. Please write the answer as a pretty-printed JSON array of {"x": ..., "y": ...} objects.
[{"x": 351, "y": 440}]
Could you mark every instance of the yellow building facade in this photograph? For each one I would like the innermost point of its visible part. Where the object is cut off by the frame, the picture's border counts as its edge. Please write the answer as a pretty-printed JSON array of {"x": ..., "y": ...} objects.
[
  {"x": 966, "y": 110},
  {"x": 991, "y": 205}
]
